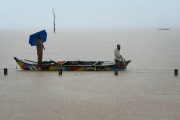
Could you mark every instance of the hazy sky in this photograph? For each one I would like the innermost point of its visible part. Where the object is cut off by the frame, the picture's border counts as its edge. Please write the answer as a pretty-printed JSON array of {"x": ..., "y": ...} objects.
[{"x": 88, "y": 13}]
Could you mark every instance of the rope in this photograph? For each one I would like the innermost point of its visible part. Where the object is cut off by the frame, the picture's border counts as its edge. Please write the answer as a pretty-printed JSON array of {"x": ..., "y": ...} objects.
[{"x": 137, "y": 71}]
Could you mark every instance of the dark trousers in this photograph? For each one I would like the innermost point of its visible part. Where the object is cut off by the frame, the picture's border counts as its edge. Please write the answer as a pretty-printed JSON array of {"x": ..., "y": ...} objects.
[
  {"x": 40, "y": 55},
  {"x": 119, "y": 62}
]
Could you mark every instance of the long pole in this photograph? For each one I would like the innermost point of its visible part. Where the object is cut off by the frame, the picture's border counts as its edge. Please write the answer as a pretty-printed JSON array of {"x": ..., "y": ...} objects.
[{"x": 54, "y": 20}]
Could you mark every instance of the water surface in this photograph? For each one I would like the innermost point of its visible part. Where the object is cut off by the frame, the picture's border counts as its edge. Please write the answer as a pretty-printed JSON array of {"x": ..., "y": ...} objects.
[{"x": 132, "y": 94}]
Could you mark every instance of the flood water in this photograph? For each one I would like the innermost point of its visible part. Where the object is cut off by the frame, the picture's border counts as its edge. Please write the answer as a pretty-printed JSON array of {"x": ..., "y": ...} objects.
[{"x": 139, "y": 93}]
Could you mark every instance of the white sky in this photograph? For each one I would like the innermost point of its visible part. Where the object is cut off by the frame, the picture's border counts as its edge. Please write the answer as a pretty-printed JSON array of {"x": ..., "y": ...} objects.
[{"x": 88, "y": 13}]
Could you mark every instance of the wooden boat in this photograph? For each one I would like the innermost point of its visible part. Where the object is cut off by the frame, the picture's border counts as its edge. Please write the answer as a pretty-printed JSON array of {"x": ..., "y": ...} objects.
[{"x": 71, "y": 65}]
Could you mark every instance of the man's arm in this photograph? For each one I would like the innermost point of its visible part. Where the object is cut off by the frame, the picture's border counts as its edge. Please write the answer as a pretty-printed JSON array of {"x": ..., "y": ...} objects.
[
  {"x": 43, "y": 46},
  {"x": 118, "y": 54}
]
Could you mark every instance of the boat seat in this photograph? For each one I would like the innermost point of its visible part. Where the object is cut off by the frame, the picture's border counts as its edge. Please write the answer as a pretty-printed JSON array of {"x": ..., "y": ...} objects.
[{"x": 95, "y": 63}]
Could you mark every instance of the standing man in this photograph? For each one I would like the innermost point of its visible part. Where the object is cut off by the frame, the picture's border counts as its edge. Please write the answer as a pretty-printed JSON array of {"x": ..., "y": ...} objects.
[
  {"x": 40, "y": 47},
  {"x": 118, "y": 57}
]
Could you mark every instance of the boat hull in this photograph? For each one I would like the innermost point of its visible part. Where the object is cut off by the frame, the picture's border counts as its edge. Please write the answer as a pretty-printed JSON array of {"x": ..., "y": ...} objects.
[{"x": 70, "y": 65}]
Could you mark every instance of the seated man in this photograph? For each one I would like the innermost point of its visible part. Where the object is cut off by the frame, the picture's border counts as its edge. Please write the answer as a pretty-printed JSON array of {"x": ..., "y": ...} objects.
[{"x": 118, "y": 57}]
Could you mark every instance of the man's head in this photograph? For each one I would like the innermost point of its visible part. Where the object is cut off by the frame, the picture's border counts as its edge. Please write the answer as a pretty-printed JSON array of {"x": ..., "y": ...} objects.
[
  {"x": 39, "y": 36},
  {"x": 118, "y": 46}
]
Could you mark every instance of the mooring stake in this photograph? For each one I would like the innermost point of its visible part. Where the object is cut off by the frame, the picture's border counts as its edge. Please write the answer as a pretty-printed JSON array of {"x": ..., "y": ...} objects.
[
  {"x": 5, "y": 71},
  {"x": 176, "y": 72},
  {"x": 60, "y": 71},
  {"x": 116, "y": 72}
]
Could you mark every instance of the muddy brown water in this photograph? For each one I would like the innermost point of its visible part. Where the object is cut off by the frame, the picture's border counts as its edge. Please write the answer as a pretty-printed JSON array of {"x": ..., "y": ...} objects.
[{"x": 137, "y": 95}]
